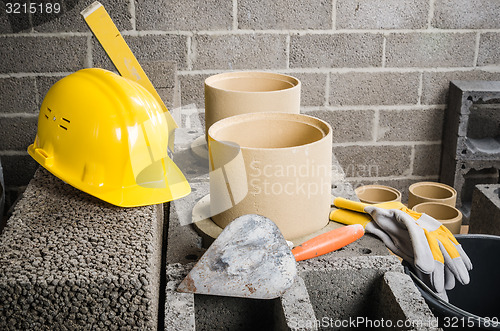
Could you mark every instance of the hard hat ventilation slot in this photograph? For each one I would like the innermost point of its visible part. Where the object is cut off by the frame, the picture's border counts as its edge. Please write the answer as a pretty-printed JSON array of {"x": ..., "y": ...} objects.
[
  {"x": 50, "y": 110},
  {"x": 66, "y": 120},
  {"x": 63, "y": 127},
  {"x": 46, "y": 117}
]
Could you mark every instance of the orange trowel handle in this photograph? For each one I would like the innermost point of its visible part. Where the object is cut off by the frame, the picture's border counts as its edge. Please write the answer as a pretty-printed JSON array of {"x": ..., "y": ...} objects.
[{"x": 328, "y": 242}]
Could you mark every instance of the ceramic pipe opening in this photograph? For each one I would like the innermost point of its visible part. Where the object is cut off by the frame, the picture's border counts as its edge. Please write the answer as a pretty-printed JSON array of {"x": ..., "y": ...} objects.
[
  {"x": 252, "y": 82},
  {"x": 432, "y": 192},
  {"x": 439, "y": 211},
  {"x": 377, "y": 194}
]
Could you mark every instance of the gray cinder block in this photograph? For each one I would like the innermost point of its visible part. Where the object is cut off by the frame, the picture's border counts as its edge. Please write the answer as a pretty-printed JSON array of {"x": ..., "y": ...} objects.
[
  {"x": 184, "y": 15},
  {"x": 435, "y": 84},
  {"x": 348, "y": 125},
  {"x": 427, "y": 160},
  {"x": 18, "y": 95},
  {"x": 371, "y": 161},
  {"x": 193, "y": 89},
  {"x": 336, "y": 50},
  {"x": 18, "y": 132},
  {"x": 373, "y": 14},
  {"x": 464, "y": 14},
  {"x": 42, "y": 54},
  {"x": 71, "y": 261},
  {"x": 410, "y": 125},
  {"x": 361, "y": 88},
  {"x": 485, "y": 210},
  {"x": 70, "y": 20},
  {"x": 282, "y": 14},
  {"x": 461, "y": 152},
  {"x": 312, "y": 88},
  {"x": 242, "y": 51},
  {"x": 440, "y": 49},
  {"x": 488, "y": 54}
]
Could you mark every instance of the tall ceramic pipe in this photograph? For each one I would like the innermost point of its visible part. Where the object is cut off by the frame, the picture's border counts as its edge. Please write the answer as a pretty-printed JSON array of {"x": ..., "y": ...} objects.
[
  {"x": 236, "y": 93},
  {"x": 286, "y": 170}
]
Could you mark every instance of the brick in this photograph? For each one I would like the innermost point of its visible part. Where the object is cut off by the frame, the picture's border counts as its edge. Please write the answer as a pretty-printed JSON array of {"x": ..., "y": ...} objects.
[
  {"x": 488, "y": 49},
  {"x": 190, "y": 15},
  {"x": 436, "y": 84},
  {"x": 147, "y": 48},
  {"x": 466, "y": 14},
  {"x": 193, "y": 89},
  {"x": 283, "y": 14},
  {"x": 373, "y": 14},
  {"x": 427, "y": 159},
  {"x": 70, "y": 20},
  {"x": 347, "y": 125},
  {"x": 18, "y": 170},
  {"x": 18, "y": 95},
  {"x": 163, "y": 76},
  {"x": 312, "y": 88},
  {"x": 13, "y": 23},
  {"x": 374, "y": 161},
  {"x": 336, "y": 50},
  {"x": 42, "y": 54},
  {"x": 17, "y": 133},
  {"x": 243, "y": 51},
  {"x": 410, "y": 125},
  {"x": 43, "y": 84},
  {"x": 381, "y": 88},
  {"x": 430, "y": 49}
]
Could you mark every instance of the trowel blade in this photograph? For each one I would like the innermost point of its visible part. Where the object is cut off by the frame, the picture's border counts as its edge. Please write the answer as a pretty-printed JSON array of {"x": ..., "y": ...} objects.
[{"x": 250, "y": 259}]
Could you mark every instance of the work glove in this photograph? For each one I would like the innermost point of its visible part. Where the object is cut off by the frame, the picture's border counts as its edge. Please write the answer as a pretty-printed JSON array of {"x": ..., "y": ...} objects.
[{"x": 418, "y": 238}]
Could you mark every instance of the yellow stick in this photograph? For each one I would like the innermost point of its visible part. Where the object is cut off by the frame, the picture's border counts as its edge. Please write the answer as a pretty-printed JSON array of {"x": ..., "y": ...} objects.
[{"x": 107, "y": 33}]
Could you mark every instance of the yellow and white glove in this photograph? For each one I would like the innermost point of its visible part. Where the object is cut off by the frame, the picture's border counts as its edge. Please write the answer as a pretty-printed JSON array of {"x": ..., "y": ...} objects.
[{"x": 418, "y": 238}]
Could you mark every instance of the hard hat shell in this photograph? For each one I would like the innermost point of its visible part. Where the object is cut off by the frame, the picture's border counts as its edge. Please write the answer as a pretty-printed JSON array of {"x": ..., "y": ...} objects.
[{"x": 107, "y": 136}]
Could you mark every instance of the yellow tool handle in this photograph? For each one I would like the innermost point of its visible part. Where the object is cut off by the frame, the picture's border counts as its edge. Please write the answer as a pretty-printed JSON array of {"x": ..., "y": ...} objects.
[
  {"x": 107, "y": 33},
  {"x": 351, "y": 205}
]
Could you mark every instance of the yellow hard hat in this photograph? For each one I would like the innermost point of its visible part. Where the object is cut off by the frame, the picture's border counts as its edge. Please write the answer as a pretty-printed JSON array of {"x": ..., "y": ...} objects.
[{"x": 107, "y": 136}]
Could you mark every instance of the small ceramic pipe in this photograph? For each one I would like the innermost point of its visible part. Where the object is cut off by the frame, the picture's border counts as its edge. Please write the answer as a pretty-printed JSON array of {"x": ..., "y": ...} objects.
[
  {"x": 431, "y": 192},
  {"x": 236, "y": 93},
  {"x": 377, "y": 194},
  {"x": 287, "y": 170},
  {"x": 448, "y": 215}
]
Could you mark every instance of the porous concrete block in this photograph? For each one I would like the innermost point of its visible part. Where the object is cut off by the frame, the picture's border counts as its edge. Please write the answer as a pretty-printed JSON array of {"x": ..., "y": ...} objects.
[
  {"x": 42, "y": 54},
  {"x": 193, "y": 89},
  {"x": 465, "y": 14},
  {"x": 372, "y": 161},
  {"x": 485, "y": 210},
  {"x": 17, "y": 133},
  {"x": 43, "y": 85},
  {"x": 188, "y": 15},
  {"x": 148, "y": 48},
  {"x": 426, "y": 160},
  {"x": 400, "y": 302},
  {"x": 363, "y": 88},
  {"x": 282, "y": 14},
  {"x": 347, "y": 125},
  {"x": 70, "y": 20},
  {"x": 435, "y": 85},
  {"x": 312, "y": 88},
  {"x": 18, "y": 95},
  {"x": 242, "y": 51},
  {"x": 13, "y": 23},
  {"x": 410, "y": 125},
  {"x": 336, "y": 50},
  {"x": 373, "y": 14},
  {"x": 427, "y": 50},
  {"x": 18, "y": 170},
  {"x": 484, "y": 120},
  {"x": 488, "y": 52},
  {"x": 71, "y": 261}
]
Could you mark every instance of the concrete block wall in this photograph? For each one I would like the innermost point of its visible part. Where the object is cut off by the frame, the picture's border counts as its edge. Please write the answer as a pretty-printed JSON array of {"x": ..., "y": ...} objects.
[{"x": 378, "y": 71}]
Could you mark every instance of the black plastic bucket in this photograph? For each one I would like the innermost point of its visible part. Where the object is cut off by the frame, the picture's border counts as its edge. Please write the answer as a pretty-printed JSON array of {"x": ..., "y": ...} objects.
[{"x": 476, "y": 305}]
